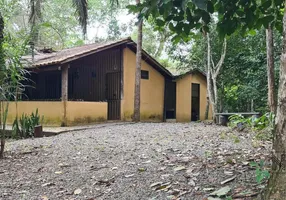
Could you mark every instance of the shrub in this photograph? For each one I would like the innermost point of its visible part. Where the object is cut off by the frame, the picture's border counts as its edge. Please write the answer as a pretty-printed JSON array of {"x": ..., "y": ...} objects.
[
  {"x": 24, "y": 127},
  {"x": 256, "y": 123}
]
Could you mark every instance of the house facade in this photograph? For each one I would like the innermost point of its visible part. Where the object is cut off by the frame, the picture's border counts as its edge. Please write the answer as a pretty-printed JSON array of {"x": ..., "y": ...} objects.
[
  {"x": 94, "y": 83},
  {"x": 191, "y": 96}
]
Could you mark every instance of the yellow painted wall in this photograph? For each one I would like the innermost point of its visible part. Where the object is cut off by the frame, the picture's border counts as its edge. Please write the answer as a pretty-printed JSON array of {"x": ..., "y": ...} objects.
[
  {"x": 81, "y": 112},
  {"x": 52, "y": 111},
  {"x": 152, "y": 90},
  {"x": 183, "y": 97},
  {"x": 77, "y": 112},
  {"x": 197, "y": 78}
]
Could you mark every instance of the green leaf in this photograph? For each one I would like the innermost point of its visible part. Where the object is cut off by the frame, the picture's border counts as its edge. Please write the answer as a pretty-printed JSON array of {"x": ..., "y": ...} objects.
[
  {"x": 166, "y": 1},
  {"x": 179, "y": 27},
  {"x": 266, "y": 5},
  {"x": 176, "y": 39},
  {"x": 206, "y": 17},
  {"x": 252, "y": 32},
  {"x": 172, "y": 27},
  {"x": 210, "y": 7},
  {"x": 178, "y": 18},
  {"x": 160, "y": 22},
  {"x": 201, "y": 4},
  {"x": 253, "y": 164},
  {"x": 266, "y": 20},
  {"x": 187, "y": 29},
  {"x": 132, "y": 8}
]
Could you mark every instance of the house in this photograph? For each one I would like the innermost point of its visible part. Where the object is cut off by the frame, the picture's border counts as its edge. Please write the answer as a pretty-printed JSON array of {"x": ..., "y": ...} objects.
[
  {"x": 95, "y": 82},
  {"x": 191, "y": 97}
]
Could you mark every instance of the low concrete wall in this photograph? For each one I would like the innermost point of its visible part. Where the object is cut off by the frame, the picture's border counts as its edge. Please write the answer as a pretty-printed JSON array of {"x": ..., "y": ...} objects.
[
  {"x": 51, "y": 110},
  {"x": 77, "y": 112},
  {"x": 86, "y": 112}
]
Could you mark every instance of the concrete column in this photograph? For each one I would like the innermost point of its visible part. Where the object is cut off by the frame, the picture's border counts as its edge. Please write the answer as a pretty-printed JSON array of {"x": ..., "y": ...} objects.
[{"x": 64, "y": 98}]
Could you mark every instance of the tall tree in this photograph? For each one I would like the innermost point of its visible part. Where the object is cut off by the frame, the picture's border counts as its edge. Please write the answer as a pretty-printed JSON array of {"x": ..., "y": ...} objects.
[
  {"x": 1, "y": 42},
  {"x": 213, "y": 71},
  {"x": 270, "y": 69},
  {"x": 2, "y": 68},
  {"x": 35, "y": 18},
  {"x": 136, "y": 114},
  {"x": 277, "y": 185}
]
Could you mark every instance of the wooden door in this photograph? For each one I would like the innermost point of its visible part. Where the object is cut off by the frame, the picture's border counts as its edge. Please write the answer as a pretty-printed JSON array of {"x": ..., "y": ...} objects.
[
  {"x": 113, "y": 95},
  {"x": 195, "y": 115}
]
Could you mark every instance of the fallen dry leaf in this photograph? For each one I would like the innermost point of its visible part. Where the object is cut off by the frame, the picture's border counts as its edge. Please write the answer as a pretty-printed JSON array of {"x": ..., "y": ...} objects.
[
  {"x": 208, "y": 189},
  {"x": 128, "y": 176},
  {"x": 44, "y": 198},
  {"x": 221, "y": 192},
  {"x": 228, "y": 180},
  {"x": 64, "y": 165},
  {"x": 146, "y": 162},
  {"x": 211, "y": 198},
  {"x": 156, "y": 184},
  {"x": 77, "y": 191},
  {"x": 229, "y": 173},
  {"x": 48, "y": 184},
  {"x": 179, "y": 168}
]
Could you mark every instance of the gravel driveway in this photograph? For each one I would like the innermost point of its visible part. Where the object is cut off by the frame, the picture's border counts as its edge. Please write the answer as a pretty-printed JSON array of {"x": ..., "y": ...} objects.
[{"x": 130, "y": 161}]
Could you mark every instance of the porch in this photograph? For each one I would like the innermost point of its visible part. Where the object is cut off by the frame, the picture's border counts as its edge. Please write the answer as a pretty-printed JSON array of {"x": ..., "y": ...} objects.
[{"x": 83, "y": 91}]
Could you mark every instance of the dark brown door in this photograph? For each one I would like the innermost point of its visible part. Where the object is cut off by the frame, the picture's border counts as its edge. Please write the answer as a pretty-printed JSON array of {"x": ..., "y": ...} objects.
[
  {"x": 195, "y": 102},
  {"x": 113, "y": 95}
]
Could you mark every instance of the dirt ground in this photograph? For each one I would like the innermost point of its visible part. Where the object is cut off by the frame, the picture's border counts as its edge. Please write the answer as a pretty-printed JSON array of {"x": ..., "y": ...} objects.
[{"x": 133, "y": 161}]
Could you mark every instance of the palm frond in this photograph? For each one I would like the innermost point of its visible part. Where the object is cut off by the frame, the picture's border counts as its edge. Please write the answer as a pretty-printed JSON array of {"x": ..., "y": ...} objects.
[{"x": 81, "y": 7}]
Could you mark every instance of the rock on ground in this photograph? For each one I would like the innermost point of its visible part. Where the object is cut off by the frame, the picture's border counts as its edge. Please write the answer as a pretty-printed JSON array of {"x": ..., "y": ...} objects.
[{"x": 131, "y": 161}]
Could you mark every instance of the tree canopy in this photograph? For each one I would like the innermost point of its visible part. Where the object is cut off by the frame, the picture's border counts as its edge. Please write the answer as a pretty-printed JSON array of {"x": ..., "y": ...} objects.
[{"x": 185, "y": 17}]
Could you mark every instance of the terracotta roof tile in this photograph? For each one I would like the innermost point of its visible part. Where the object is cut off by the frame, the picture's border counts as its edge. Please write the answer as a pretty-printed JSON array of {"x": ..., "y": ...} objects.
[{"x": 44, "y": 59}]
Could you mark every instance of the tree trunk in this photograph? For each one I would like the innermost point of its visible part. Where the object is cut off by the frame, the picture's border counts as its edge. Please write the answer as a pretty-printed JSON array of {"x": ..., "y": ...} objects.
[
  {"x": 2, "y": 62},
  {"x": 2, "y": 67},
  {"x": 215, "y": 97},
  {"x": 2, "y": 143},
  {"x": 160, "y": 47},
  {"x": 212, "y": 74},
  {"x": 209, "y": 75},
  {"x": 207, "y": 109},
  {"x": 270, "y": 69},
  {"x": 276, "y": 188},
  {"x": 136, "y": 115},
  {"x": 65, "y": 78}
]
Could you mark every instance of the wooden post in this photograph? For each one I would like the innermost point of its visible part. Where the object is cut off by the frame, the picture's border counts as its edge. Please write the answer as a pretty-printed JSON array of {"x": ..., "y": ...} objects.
[{"x": 65, "y": 73}]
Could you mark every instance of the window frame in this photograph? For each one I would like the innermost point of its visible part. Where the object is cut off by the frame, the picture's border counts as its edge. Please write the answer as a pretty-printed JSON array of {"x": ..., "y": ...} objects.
[{"x": 145, "y": 74}]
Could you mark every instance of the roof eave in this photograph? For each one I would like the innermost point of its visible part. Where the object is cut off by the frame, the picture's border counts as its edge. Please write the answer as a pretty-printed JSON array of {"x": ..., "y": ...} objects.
[{"x": 80, "y": 55}]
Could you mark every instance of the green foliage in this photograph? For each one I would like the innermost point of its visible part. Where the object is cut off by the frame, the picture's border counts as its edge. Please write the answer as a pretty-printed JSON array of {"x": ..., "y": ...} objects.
[
  {"x": 256, "y": 123},
  {"x": 184, "y": 17},
  {"x": 236, "y": 120},
  {"x": 36, "y": 119},
  {"x": 243, "y": 77},
  {"x": 24, "y": 127},
  {"x": 260, "y": 172},
  {"x": 262, "y": 126}
]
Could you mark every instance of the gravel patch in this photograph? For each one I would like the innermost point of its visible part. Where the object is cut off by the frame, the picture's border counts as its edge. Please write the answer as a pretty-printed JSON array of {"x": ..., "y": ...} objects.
[{"x": 130, "y": 161}]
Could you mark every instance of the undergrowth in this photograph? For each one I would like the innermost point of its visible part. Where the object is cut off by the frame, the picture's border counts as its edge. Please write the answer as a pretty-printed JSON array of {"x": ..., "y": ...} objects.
[{"x": 262, "y": 126}]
